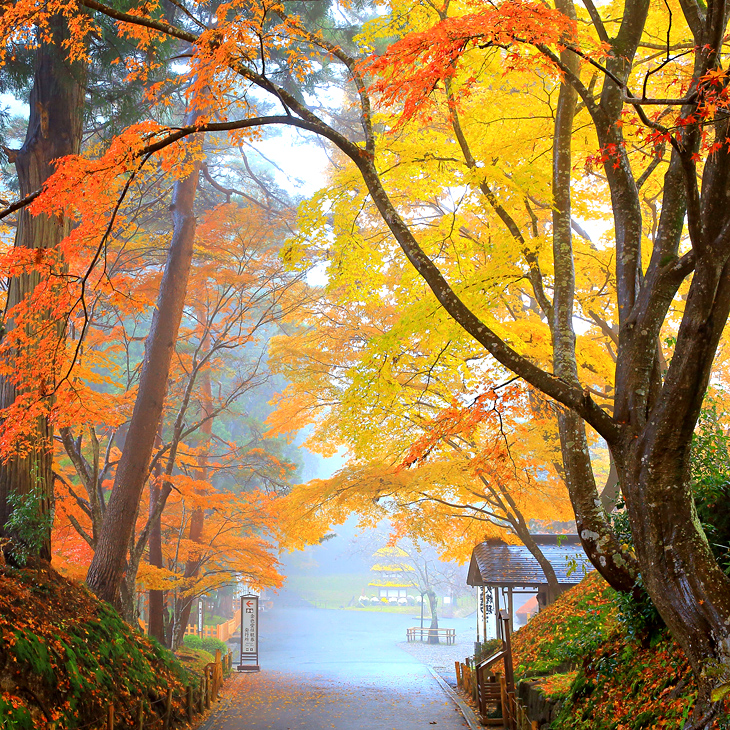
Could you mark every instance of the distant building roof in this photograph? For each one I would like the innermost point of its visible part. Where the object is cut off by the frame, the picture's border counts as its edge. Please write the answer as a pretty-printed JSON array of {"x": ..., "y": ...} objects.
[
  {"x": 391, "y": 551},
  {"x": 495, "y": 563},
  {"x": 393, "y": 568}
]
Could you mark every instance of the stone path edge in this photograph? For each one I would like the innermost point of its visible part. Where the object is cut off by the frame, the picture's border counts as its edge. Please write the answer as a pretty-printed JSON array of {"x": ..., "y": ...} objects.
[{"x": 468, "y": 714}]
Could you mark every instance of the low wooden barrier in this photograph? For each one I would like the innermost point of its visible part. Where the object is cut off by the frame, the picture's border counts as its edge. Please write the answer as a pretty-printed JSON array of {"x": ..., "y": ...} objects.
[
  {"x": 448, "y": 634},
  {"x": 222, "y": 632},
  {"x": 494, "y": 692},
  {"x": 208, "y": 691}
]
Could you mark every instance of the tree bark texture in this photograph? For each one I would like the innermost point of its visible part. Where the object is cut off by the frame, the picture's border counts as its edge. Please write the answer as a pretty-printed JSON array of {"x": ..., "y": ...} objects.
[
  {"x": 597, "y": 537},
  {"x": 108, "y": 564},
  {"x": 55, "y": 128}
]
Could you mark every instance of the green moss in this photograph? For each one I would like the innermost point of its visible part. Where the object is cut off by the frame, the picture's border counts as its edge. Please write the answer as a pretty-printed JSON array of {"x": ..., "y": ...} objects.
[
  {"x": 14, "y": 717},
  {"x": 77, "y": 655},
  {"x": 573, "y": 627}
]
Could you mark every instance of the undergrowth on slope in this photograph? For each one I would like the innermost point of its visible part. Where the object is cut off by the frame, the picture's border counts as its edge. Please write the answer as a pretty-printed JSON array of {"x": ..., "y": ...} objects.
[
  {"x": 64, "y": 656},
  {"x": 607, "y": 671}
]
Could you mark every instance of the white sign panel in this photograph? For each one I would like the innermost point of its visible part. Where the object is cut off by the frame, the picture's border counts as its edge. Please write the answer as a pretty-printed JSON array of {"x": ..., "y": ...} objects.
[{"x": 249, "y": 627}]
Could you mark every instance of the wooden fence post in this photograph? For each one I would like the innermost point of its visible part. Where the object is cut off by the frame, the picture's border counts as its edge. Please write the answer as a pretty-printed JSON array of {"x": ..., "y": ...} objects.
[
  {"x": 207, "y": 689},
  {"x": 110, "y": 717},
  {"x": 168, "y": 710},
  {"x": 190, "y": 702},
  {"x": 201, "y": 699},
  {"x": 457, "y": 669}
]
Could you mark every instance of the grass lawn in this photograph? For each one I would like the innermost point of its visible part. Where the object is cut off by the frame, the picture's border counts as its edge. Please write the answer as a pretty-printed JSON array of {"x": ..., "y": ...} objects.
[
  {"x": 342, "y": 590},
  {"x": 336, "y": 590}
]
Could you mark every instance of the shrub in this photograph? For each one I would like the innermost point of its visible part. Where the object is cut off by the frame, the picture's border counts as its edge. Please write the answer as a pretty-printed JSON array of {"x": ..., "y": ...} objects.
[
  {"x": 193, "y": 641},
  {"x": 210, "y": 644},
  {"x": 29, "y": 524},
  {"x": 489, "y": 647}
]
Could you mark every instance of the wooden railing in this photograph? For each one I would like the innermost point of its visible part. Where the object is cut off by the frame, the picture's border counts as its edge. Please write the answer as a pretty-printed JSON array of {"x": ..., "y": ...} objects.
[
  {"x": 448, "y": 634},
  {"x": 223, "y": 631},
  {"x": 494, "y": 692},
  {"x": 208, "y": 690}
]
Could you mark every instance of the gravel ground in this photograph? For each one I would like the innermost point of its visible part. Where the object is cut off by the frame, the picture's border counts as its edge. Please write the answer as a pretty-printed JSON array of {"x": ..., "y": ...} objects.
[{"x": 442, "y": 656}]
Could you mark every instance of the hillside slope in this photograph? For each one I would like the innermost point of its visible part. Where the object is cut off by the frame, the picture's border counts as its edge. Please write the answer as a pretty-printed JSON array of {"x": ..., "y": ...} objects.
[
  {"x": 65, "y": 656},
  {"x": 587, "y": 652}
]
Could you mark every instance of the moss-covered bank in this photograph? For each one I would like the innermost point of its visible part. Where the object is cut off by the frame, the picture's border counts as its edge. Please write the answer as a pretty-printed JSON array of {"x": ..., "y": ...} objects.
[
  {"x": 606, "y": 676},
  {"x": 65, "y": 656}
]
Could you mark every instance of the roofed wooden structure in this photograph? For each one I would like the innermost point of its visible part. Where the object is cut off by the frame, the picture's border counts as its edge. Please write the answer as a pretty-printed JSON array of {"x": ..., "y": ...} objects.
[
  {"x": 509, "y": 569},
  {"x": 497, "y": 563}
]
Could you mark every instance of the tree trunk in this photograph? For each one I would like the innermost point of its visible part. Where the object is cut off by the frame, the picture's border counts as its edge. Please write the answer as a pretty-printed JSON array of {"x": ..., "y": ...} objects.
[
  {"x": 433, "y": 638},
  {"x": 594, "y": 529},
  {"x": 197, "y": 520},
  {"x": 108, "y": 564},
  {"x": 679, "y": 570},
  {"x": 156, "y": 626},
  {"x": 54, "y": 130},
  {"x": 156, "y": 623},
  {"x": 543, "y": 562}
]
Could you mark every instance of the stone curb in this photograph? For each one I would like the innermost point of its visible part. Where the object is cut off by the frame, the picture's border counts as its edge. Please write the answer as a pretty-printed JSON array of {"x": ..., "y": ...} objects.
[{"x": 469, "y": 715}]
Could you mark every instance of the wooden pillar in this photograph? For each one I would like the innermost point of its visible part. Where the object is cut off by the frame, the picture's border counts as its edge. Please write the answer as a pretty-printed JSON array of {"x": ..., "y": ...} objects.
[
  {"x": 497, "y": 624},
  {"x": 484, "y": 613},
  {"x": 168, "y": 710},
  {"x": 510, "y": 607},
  {"x": 479, "y": 608}
]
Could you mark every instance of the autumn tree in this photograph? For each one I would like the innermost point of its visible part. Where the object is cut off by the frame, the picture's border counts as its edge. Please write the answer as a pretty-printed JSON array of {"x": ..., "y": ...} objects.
[
  {"x": 238, "y": 290},
  {"x": 54, "y": 131},
  {"x": 423, "y": 442},
  {"x": 69, "y": 98},
  {"x": 649, "y": 428}
]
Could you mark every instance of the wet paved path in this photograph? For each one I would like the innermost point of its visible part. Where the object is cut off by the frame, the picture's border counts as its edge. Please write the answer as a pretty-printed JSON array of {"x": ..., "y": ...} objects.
[{"x": 335, "y": 670}]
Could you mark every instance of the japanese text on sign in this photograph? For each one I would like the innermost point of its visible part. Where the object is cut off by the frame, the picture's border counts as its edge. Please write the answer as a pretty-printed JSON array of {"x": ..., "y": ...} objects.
[{"x": 249, "y": 625}]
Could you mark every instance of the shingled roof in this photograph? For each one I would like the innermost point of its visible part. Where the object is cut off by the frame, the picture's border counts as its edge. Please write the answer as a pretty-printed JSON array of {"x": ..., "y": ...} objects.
[{"x": 495, "y": 563}]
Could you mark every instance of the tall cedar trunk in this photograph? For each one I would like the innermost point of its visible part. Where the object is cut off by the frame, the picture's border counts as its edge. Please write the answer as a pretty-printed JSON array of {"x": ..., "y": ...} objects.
[
  {"x": 156, "y": 621},
  {"x": 108, "y": 564},
  {"x": 54, "y": 130},
  {"x": 197, "y": 521}
]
